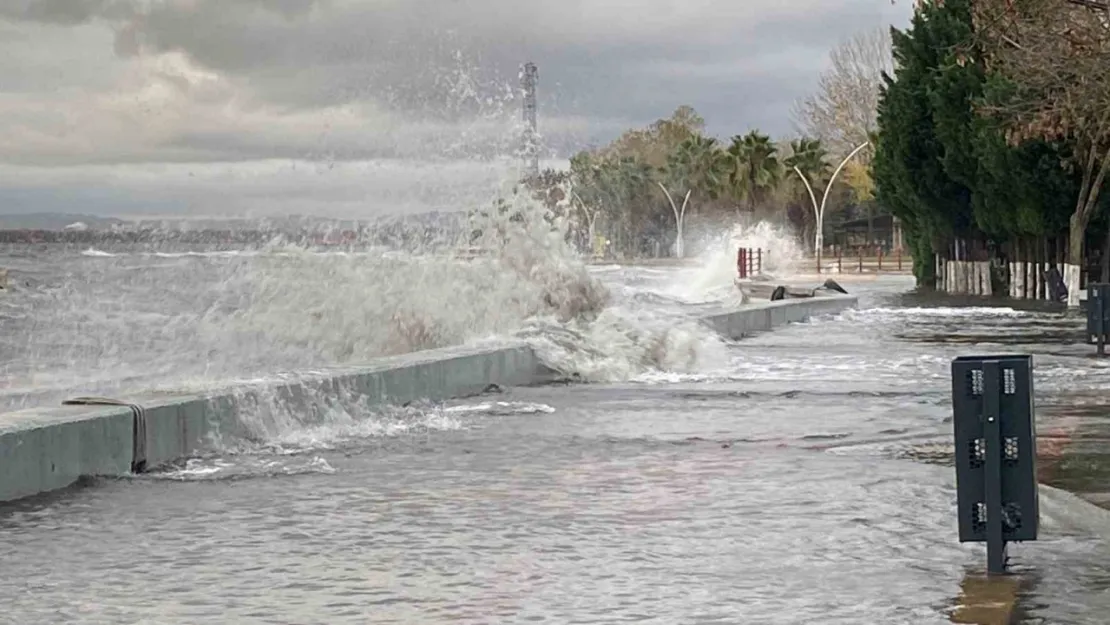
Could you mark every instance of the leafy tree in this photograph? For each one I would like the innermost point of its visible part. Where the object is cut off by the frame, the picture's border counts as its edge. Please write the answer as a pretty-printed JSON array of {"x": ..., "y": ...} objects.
[
  {"x": 634, "y": 188},
  {"x": 1052, "y": 83},
  {"x": 755, "y": 166},
  {"x": 945, "y": 162}
]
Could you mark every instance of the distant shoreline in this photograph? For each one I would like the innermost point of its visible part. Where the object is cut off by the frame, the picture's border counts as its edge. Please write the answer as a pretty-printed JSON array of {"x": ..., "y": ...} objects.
[{"x": 204, "y": 236}]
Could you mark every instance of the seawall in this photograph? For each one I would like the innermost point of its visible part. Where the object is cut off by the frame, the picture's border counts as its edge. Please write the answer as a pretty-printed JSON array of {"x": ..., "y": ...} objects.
[
  {"x": 764, "y": 316},
  {"x": 49, "y": 448}
]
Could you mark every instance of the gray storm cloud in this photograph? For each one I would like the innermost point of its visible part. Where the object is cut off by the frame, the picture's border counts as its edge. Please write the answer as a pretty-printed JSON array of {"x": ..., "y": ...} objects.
[
  {"x": 126, "y": 82},
  {"x": 451, "y": 57}
]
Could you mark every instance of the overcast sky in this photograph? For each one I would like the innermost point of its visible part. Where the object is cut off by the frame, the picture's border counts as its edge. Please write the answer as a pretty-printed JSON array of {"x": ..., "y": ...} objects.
[{"x": 354, "y": 107}]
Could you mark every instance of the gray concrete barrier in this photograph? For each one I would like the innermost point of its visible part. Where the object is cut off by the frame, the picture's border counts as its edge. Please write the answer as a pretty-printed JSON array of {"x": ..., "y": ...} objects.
[
  {"x": 45, "y": 449},
  {"x": 48, "y": 448},
  {"x": 764, "y": 316}
]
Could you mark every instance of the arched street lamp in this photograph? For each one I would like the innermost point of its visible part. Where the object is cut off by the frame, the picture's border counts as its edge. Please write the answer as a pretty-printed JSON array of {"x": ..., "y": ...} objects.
[
  {"x": 819, "y": 211},
  {"x": 679, "y": 217},
  {"x": 591, "y": 218}
]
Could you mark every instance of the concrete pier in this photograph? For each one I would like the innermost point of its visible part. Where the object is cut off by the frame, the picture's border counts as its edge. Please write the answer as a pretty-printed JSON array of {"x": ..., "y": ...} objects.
[
  {"x": 765, "y": 316},
  {"x": 49, "y": 448}
]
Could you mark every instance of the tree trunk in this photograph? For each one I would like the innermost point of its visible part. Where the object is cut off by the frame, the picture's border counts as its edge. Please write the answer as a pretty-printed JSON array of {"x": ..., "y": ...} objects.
[
  {"x": 1084, "y": 209},
  {"x": 1077, "y": 230},
  {"x": 870, "y": 225}
]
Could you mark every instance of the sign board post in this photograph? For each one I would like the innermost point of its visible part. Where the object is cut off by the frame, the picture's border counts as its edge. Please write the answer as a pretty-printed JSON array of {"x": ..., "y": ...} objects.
[
  {"x": 1098, "y": 315},
  {"x": 995, "y": 442}
]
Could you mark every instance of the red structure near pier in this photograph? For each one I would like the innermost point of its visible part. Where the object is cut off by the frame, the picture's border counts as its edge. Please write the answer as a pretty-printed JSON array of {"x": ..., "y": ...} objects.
[{"x": 749, "y": 262}]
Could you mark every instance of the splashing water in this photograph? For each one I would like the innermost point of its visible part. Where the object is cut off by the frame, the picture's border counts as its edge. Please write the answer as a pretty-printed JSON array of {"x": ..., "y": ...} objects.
[
  {"x": 781, "y": 256},
  {"x": 126, "y": 322},
  {"x": 347, "y": 309}
]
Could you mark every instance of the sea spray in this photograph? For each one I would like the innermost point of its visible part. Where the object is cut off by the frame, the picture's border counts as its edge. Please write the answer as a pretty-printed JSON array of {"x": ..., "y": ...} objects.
[
  {"x": 355, "y": 308},
  {"x": 778, "y": 252},
  {"x": 136, "y": 320},
  {"x": 525, "y": 281}
]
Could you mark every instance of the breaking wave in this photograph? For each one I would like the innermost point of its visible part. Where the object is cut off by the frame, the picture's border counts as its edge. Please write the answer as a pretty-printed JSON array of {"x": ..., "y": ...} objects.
[
  {"x": 779, "y": 256},
  {"x": 127, "y": 321}
]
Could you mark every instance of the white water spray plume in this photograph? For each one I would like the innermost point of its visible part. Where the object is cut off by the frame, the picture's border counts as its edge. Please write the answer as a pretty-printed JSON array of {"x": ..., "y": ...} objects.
[
  {"x": 125, "y": 321},
  {"x": 118, "y": 321}
]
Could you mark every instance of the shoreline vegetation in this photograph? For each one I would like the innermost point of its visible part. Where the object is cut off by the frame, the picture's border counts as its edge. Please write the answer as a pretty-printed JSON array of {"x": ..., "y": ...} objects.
[
  {"x": 994, "y": 144},
  {"x": 988, "y": 139},
  {"x": 657, "y": 190}
]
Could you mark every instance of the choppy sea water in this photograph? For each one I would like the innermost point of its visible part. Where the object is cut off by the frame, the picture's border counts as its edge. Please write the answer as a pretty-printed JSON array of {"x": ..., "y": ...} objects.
[
  {"x": 773, "y": 486},
  {"x": 131, "y": 318}
]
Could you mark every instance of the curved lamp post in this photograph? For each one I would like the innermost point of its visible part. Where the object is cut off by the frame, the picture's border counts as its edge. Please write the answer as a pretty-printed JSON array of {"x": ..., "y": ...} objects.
[
  {"x": 591, "y": 219},
  {"x": 819, "y": 211},
  {"x": 679, "y": 217}
]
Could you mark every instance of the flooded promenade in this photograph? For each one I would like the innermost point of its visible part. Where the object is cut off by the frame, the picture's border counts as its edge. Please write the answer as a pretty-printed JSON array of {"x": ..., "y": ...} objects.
[{"x": 802, "y": 480}]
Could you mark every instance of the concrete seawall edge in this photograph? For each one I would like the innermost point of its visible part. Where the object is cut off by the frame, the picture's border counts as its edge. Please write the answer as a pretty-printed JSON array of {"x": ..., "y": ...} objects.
[{"x": 50, "y": 448}]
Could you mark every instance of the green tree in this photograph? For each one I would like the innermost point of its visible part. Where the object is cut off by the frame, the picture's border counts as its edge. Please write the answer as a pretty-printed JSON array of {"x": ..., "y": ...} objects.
[
  {"x": 755, "y": 167},
  {"x": 909, "y": 165},
  {"x": 696, "y": 165},
  {"x": 942, "y": 165},
  {"x": 695, "y": 172},
  {"x": 636, "y": 187},
  {"x": 1050, "y": 82}
]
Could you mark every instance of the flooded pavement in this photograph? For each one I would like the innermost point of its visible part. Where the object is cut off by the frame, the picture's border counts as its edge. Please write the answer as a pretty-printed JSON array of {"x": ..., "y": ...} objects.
[{"x": 805, "y": 481}]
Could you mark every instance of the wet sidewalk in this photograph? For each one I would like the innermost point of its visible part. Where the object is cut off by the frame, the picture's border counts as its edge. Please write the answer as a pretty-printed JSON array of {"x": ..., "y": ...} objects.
[{"x": 1073, "y": 449}]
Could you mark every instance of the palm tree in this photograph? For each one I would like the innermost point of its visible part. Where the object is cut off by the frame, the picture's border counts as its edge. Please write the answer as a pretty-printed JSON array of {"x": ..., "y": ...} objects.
[
  {"x": 809, "y": 155},
  {"x": 694, "y": 169},
  {"x": 755, "y": 167},
  {"x": 696, "y": 166}
]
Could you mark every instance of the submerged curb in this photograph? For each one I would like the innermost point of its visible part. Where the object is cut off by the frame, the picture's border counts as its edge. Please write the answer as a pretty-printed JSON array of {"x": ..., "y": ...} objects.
[{"x": 47, "y": 449}]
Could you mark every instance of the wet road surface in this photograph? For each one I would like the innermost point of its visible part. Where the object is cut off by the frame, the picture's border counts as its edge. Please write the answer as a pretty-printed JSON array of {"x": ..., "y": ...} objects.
[{"x": 792, "y": 485}]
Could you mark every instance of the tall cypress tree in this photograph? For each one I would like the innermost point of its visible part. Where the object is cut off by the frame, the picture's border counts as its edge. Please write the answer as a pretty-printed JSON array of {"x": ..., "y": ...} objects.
[{"x": 943, "y": 168}]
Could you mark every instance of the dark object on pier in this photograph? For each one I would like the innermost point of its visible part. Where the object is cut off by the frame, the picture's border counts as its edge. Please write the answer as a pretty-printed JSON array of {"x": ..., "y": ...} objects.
[
  {"x": 1056, "y": 287},
  {"x": 782, "y": 292}
]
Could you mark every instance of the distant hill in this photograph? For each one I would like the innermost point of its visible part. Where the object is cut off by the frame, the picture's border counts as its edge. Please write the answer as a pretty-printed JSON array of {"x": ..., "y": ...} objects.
[{"x": 55, "y": 221}]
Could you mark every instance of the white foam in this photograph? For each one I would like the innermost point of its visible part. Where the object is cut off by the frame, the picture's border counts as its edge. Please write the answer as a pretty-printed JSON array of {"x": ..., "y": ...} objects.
[
  {"x": 500, "y": 408},
  {"x": 252, "y": 314},
  {"x": 241, "y": 466},
  {"x": 713, "y": 279},
  {"x": 969, "y": 311}
]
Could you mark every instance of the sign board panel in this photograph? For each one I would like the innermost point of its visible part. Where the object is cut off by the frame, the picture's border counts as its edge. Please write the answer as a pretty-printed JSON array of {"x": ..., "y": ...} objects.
[{"x": 995, "y": 437}]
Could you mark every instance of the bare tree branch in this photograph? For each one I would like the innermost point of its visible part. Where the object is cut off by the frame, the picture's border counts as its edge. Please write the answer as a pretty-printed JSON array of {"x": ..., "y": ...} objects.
[
  {"x": 1055, "y": 55},
  {"x": 1090, "y": 4},
  {"x": 1057, "y": 58},
  {"x": 842, "y": 112}
]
